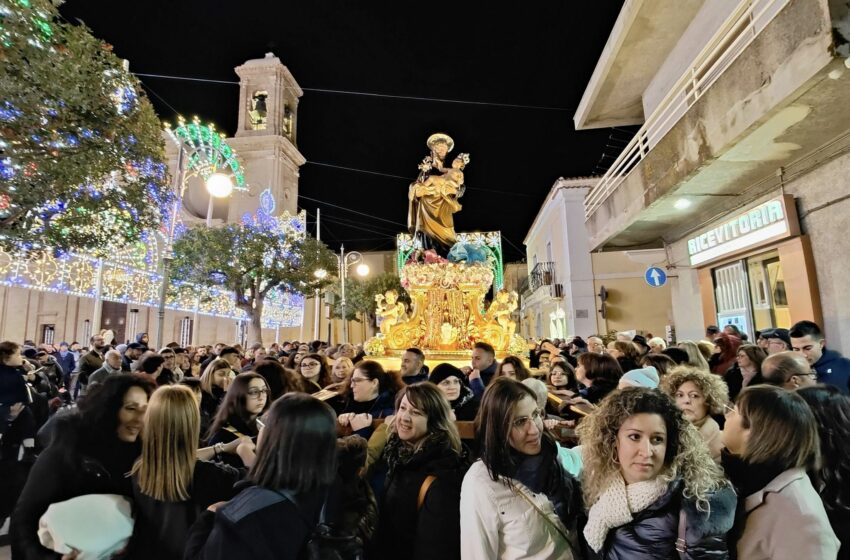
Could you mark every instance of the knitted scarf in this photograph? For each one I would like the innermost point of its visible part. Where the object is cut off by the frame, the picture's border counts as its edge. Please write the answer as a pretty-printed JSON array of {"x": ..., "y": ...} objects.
[{"x": 616, "y": 505}]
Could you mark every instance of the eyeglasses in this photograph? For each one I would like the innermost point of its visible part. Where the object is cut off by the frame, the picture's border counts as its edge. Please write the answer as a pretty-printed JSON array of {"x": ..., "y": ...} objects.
[
  {"x": 356, "y": 380},
  {"x": 522, "y": 422},
  {"x": 255, "y": 393},
  {"x": 310, "y": 364},
  {"x": 812, "y": 373},
  {"x": 776, "y": 342}
]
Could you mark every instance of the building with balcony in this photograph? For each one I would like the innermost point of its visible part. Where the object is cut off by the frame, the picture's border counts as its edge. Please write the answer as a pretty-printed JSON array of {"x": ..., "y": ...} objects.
[
  {"x": 559, "y": 296},
  {"x": 739, "y": 170}
]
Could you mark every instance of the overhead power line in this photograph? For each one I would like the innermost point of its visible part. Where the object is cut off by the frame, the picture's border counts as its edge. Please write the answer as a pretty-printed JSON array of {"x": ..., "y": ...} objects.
[{"x": 370, "y": 94}]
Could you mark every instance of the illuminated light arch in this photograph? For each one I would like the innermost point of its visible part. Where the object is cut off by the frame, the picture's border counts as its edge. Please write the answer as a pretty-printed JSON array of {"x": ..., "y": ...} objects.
[{"x": 207, "y": 151}]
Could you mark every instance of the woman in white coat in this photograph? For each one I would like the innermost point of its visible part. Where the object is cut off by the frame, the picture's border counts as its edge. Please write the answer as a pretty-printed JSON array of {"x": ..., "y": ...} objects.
[{"x": 517, "y": 501}]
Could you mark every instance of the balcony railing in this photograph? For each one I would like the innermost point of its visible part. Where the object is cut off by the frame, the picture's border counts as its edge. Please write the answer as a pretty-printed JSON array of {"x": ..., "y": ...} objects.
[
  {"x": 731, "y": 39},
  {"x": 543, "y": 274}
]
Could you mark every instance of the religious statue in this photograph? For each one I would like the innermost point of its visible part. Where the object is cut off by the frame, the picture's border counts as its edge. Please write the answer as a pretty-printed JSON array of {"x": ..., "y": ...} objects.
[
  {"x": 390, "y": 310},
  {"x": 258, "y": 112},
  {"x": 433, "y": 197},
  {"x": 500, "y": 310}
]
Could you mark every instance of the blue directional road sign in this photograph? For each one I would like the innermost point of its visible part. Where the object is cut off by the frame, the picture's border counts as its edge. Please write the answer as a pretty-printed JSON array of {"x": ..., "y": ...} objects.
[{"x": 655, "y": 277}]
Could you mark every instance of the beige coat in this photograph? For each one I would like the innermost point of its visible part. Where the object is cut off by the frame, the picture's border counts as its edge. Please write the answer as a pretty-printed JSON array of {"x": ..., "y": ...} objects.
[
  {"x": 787, "y": 520},
  {"x": 712, "y": 436}
]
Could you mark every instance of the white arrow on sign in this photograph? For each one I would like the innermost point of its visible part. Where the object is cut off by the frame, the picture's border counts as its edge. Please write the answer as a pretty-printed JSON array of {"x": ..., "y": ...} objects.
[{"x": 655, "y": 277}]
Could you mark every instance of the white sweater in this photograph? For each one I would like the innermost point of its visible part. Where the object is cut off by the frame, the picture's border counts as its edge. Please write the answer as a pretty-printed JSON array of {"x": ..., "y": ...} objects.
[{"x": 497, "y": 523}]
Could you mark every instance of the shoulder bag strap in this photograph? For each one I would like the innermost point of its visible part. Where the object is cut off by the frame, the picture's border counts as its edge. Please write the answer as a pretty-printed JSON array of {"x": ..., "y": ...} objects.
[
  {"x": 423, "y": 490},
  {"x": 546, "y": 518},
  {"x": 681, "y": 543}
]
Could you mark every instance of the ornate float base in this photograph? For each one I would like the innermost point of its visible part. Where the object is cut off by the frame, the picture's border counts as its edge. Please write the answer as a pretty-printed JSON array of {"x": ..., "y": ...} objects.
[{"x": 447, "y": 314}]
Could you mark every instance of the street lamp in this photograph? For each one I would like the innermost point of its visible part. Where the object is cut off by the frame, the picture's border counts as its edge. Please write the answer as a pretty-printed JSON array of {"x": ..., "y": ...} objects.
[
  {"x": 218, "y": 185},
  {"x": 345, "y": 261}
]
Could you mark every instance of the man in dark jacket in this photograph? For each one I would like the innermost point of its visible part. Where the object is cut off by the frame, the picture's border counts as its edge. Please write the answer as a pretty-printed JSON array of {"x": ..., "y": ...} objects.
[
  {"x": 484, "y": 366},
  {"x": 65, "y": 359},
  {"x": 832, "y": 368},
  {"x": 413, "y": 368},
  {"x": 131, "y": 355},
  {"x": 91, "y": 362}
]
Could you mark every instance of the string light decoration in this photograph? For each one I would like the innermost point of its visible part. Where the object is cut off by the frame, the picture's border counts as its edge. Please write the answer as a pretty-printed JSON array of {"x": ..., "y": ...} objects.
[
  {"x": 262, "y": 260},
  {"x": 81, "y": 155},
  {"x": 207, "y": 151},
  {"x": 76, "y": 275}
]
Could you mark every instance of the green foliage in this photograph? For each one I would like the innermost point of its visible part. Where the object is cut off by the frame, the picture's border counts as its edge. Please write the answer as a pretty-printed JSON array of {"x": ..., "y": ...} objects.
[
  {"x": 250, "y": 260},
  {"x": 360, "y": 295},
  {"x": 81, "y": 149}
]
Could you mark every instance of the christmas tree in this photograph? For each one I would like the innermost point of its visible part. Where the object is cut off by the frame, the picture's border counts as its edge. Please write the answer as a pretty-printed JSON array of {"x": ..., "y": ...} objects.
[{"x": 81, "y": 150}]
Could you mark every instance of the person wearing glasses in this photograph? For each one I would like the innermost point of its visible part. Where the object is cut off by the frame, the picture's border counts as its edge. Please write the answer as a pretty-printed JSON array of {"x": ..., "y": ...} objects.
[
  {"x": 746, "y": 371},
  {"x": 281, "y": 501},
  {"x": 451, "y": 381},
  {"x": 649, "y": 481},
  {"x": 316, "y": 372},
  {"x": 772, "y": 443},
  {"x": 788, "y": 370},
  {"x": 372, "y": 396},
  {"x": 246, "y": 399},
  {"x": 699, "y": 395},
  {"x": 778, "y": 340},
  {"x": 517, "y": 501}
]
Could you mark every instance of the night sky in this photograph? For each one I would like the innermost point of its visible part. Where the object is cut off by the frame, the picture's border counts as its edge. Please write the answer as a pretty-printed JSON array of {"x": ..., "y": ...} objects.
[{"x": 535, "y": 54}]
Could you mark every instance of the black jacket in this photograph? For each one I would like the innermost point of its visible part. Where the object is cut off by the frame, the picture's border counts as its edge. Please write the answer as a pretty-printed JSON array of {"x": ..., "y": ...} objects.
[
  {"x": 259, "y": 524},
  {"x": 652, "y": 534},
  {"x": 735, "y": 381},
  {"x": 73, "y": 465},
  {"x": 432, "y": 532},
  {"x": 465, "y": 406},
  {"x": 161, "y": 528}
]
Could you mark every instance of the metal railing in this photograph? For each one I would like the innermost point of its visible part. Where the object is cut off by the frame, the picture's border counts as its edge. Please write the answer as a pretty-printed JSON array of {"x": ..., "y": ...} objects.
[
  {"x": 543, "y": 274},
  {"x": 745, "y": 23}
]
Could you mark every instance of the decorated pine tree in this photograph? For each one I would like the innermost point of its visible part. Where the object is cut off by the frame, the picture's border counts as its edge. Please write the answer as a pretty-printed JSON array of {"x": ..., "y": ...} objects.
[{"x": 81, "y": 151}]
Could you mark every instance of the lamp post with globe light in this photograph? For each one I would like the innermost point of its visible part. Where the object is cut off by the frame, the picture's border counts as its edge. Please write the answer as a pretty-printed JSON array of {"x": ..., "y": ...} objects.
[
  {"x": 212, "y": 165},
  {"x": 345, "y": 261}
]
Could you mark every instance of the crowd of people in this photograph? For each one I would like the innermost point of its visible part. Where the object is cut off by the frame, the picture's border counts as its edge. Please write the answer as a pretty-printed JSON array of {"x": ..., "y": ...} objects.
[{"x": 608, "y": 447}]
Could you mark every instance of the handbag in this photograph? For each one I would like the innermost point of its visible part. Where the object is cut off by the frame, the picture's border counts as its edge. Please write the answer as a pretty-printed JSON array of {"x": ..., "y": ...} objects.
[
  {"x": 324, "y": 543},
  {"x": 548, "y": 521}
]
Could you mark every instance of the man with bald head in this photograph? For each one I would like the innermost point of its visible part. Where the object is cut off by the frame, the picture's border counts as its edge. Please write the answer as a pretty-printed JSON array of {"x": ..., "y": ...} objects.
[{"x": 788, "y": 370}]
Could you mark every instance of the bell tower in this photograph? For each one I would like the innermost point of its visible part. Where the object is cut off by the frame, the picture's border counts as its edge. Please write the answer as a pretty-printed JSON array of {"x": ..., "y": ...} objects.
[{"x": 266, "y": 135}]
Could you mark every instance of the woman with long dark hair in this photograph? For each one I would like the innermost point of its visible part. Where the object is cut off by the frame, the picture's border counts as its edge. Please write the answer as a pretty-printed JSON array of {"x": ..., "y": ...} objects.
[
  {"x": 315, "y": 371},
  {"x": 424, "y": 464},
  {"x": 746, "y": 370},
  {"x": 517, "y": 501},
  {"x": 91, "y": 452},
  {"x": 372, "y": 396},
  {"x": 247, "y": 398},
  {"x": 280, "y": 504},
  {"x": 513, "y": 368},
  {"x": 832, "y": 413},
  {"x": 279, "y": 379},
  {"x": 772, "y": 440},
  {"x": 171, "y": 486}
]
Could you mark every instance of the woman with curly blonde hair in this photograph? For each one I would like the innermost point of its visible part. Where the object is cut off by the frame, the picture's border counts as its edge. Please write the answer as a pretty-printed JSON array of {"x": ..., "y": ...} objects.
[
  {"x": 695, "y": 356},
  {"x": 649, "y": 482},
  {"x": 698, "y": 395}
]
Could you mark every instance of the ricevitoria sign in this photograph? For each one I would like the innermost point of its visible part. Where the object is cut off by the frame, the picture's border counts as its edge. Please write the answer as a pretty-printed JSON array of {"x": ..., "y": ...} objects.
[{"x": 774, "y": 220}]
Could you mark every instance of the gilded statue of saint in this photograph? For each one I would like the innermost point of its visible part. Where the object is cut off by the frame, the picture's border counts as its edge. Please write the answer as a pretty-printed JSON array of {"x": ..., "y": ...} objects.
[{"x": 433, "y": 197}]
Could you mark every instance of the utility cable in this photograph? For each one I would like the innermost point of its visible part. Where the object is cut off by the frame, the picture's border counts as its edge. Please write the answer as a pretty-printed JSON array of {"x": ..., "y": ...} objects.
[{"x": 370, "y": 94}]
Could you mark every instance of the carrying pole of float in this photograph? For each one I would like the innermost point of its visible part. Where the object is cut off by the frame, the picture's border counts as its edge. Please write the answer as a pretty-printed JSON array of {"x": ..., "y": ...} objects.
[{"x": 317, "y": 298}]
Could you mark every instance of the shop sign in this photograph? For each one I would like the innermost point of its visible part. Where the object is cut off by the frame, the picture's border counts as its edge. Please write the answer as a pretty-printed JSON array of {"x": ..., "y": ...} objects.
[{"x": 770, "y": 221}]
